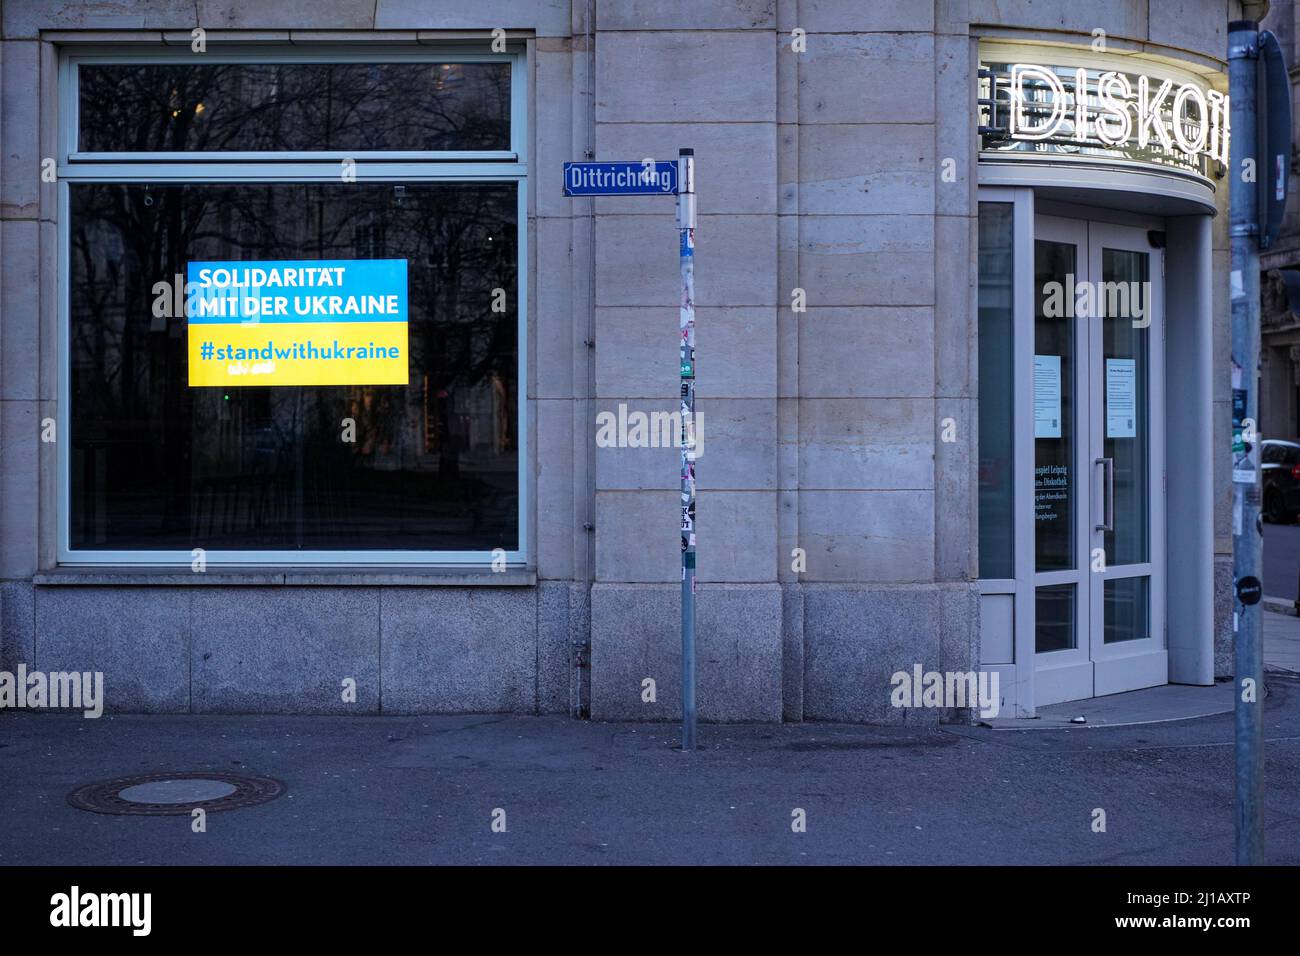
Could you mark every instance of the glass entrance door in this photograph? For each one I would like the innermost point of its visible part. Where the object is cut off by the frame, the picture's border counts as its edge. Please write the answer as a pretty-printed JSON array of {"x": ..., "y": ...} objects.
[
  {"x": 1098, "y": 463},
  {"x": 1127, "y": 439}
]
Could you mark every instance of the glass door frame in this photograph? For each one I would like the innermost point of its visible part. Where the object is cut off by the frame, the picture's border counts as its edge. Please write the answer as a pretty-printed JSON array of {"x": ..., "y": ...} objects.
[
  {"x": 1093, "y": 668},
  {"x": 1068, "y": 674},
  {"x": 1142, "y": 662},
  {"x": 1025, "y": 685},
  {"x": 1017, "y": 677}
]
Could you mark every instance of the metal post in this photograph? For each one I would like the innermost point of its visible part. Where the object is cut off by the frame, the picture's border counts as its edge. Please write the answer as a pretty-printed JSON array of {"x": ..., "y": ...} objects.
[
  {"x": 686, "y": 251},
  {"x": 1247, "y": 541}
]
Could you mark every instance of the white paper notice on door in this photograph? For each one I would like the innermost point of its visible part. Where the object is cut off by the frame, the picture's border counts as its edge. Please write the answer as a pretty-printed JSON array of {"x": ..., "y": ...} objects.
[
  {"x": 1121, "y": 398},
  {"x": 1047, "y": 396}
]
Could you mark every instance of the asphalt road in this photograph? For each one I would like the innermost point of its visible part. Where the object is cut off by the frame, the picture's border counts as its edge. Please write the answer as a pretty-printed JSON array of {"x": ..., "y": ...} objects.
[
  {"x": 1281, "y": 560},
  {"x": 424, "y": 790}
]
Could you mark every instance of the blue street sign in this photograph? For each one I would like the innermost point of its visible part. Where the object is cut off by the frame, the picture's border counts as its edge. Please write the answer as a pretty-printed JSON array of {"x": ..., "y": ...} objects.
[{"x": 635, "y": 178}]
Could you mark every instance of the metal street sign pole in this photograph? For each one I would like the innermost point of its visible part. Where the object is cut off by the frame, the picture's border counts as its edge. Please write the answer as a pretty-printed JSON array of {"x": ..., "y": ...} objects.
[
  {"x": 649, "y": 177},
  {"x": 686, "y": 253},
  {"x": 1243, "y": 51}
]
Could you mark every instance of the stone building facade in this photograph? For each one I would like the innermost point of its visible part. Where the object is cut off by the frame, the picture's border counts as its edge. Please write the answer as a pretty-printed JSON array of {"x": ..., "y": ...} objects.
[{"x": 839, "y": 158}]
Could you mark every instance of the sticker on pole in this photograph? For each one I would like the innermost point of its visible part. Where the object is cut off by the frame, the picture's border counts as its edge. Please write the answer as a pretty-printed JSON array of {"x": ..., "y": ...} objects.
[
  {"x": 1249, "y": 590},
  {"x": 314, "y": 322},
  {"x": 646, "y": 177},
  {"x": 1245, "y": 442}
]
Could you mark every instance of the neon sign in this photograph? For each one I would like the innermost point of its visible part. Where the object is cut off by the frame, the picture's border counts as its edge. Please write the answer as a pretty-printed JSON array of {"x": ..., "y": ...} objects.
[{"x": 1103, "y": 114}]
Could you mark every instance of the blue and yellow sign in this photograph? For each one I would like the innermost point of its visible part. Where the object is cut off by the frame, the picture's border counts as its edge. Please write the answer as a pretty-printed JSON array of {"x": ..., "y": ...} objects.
[{"x": 316, "y": 322}]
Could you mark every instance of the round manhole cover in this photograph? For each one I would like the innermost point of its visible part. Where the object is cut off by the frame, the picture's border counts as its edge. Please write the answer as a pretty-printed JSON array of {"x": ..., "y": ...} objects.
[
  {"x": 178, "y": 791},
  {"x": 175, "y": 793}
]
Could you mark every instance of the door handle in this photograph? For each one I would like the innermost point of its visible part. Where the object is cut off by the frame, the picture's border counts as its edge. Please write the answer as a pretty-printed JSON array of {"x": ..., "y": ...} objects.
[{"x": 1107, "y": 494}]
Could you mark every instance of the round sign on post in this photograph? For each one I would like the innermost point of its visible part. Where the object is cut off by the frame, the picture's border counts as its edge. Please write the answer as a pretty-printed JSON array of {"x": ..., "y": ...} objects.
[{"x": 1249, "y": 590}]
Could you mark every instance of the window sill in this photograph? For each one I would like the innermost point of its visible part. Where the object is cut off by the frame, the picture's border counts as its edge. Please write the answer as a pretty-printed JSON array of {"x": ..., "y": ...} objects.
[{"x": 275, "y": 577}]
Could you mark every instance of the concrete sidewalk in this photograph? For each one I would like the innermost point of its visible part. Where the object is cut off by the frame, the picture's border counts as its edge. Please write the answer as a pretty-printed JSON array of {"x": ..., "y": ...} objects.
[
  {"x": 1170, "y": 701},
  {"x": 1281, "y": 642},
  {"x": 1151, "y": 705},
  {"x": 423, "y": 790}
]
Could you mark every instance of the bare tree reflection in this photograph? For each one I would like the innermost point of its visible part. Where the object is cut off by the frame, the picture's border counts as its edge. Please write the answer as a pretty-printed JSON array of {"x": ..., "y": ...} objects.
[
  {"x": 294, "y": 106},
  {"x": 158, "y": 464}
]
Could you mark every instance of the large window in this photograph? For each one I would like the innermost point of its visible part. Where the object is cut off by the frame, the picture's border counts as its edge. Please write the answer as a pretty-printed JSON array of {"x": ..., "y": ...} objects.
[{"x": 263, "y": 436}]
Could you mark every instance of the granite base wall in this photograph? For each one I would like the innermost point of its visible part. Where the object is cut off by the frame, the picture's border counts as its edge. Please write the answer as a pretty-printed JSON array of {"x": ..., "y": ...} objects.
[
  {"x": 289, "y": 650},
  {"x": 766, "y": 652}
]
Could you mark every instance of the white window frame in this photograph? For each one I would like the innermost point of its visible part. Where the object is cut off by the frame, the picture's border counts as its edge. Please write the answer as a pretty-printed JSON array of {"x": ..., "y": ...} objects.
[
  {"x": 509, "y": 166},
  {"x": 1018, "y": 674}
]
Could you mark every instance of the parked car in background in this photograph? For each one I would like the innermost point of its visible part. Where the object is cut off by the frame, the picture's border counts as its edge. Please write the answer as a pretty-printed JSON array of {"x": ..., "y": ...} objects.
[{"x": 1281, "y": 480}]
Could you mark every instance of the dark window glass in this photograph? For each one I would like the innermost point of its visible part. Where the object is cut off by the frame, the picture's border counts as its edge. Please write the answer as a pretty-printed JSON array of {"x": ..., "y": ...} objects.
[
  {"x": 183, "y": 107},
  {"x": 1128, "y": 446},
  {"x": 1054, "y": 613},
  {"x": 997, "y": 556},
  {"x": 157, "y": 464},
  {"x": 1054, "y": 472},
  {"x": 1127, "y": 609}
]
